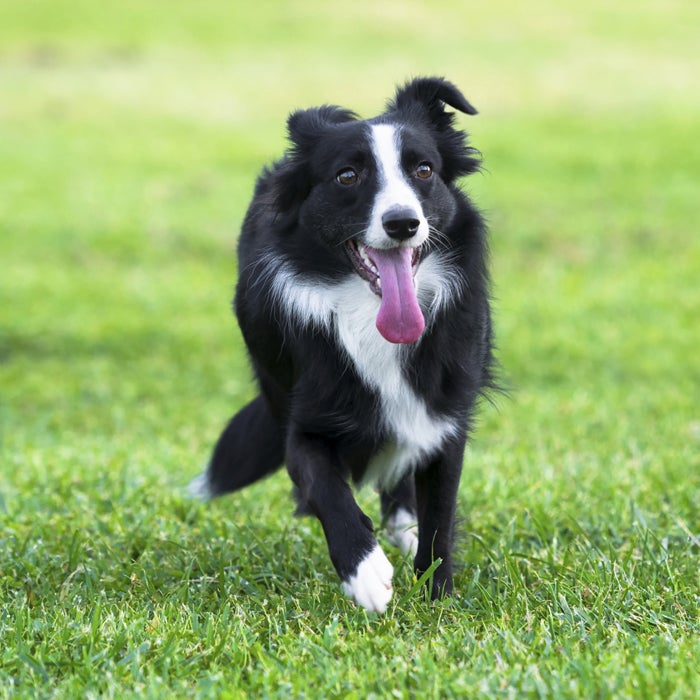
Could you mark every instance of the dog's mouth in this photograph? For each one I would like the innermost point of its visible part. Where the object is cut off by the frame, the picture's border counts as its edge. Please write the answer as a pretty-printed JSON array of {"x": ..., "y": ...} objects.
[
  {"x": 364, "y": 259},
  {"x": 391, "y": 275}
]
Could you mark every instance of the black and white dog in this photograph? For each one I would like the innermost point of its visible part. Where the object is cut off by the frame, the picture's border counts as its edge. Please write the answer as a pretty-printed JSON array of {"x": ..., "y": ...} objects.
[{"x": 363, "y": 300}]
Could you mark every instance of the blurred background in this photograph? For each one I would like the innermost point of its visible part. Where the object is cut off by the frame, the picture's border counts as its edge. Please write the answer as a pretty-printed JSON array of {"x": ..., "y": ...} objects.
[{"x": 131, "y": 134}]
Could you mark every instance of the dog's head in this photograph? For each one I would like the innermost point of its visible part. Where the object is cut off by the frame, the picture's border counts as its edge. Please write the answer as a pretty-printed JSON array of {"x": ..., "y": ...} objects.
[{"x": 374, "y": 194}]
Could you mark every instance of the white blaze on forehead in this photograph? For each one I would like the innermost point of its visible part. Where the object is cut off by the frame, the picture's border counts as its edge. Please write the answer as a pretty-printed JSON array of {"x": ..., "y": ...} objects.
[{"x": 393, "y": 189}]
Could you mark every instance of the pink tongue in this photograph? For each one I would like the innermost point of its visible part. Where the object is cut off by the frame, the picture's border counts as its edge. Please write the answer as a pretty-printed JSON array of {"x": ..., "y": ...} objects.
[{"x": 400, "y": 319}]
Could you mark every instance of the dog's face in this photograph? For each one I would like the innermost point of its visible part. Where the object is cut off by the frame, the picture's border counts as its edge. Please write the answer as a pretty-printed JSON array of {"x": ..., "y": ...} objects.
[
  {"x": 377, "y": 184},
  {"x": 374, "y": 196}
]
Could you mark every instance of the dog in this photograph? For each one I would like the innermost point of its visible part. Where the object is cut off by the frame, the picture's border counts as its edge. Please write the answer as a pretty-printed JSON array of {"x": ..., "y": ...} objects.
[{"x": 363, "y": 299}]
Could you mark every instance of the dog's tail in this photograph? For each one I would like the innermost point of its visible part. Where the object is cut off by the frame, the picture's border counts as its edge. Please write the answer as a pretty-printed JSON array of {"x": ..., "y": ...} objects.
[{"x": 250, "y": 447}]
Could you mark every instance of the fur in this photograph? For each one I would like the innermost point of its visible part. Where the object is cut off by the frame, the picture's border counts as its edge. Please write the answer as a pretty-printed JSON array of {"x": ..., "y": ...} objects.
[{"x": 339, "y": 402}]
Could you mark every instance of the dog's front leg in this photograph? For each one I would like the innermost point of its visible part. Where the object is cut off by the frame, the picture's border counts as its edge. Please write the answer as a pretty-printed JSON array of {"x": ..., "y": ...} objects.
[
  {"x": 363, "y": 568},
  {"x": 436, "y": 496}
]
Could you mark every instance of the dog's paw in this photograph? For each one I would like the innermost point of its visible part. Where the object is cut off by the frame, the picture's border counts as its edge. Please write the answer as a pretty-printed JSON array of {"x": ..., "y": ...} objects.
[
  {"x": 402, "y": 531},
  {"x": 370, "y": 586},
  {"x": 199, "y": 488}
]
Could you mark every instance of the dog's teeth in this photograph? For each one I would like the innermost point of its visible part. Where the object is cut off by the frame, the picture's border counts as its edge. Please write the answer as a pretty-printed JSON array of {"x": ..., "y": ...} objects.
[{"x": 367, "y": 261}]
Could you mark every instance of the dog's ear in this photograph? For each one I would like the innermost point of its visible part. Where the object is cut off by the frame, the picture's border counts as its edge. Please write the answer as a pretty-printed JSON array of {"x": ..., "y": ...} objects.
[
  {"x": 306, "y": 126},
  {"x": 292, "y": 178},
  {"x": 432, "y": 94},
  {"x": 425, "y": 99}
]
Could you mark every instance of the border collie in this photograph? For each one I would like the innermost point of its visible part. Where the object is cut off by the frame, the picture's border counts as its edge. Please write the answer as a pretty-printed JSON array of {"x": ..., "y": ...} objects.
[{"x": 363, "y": 300}]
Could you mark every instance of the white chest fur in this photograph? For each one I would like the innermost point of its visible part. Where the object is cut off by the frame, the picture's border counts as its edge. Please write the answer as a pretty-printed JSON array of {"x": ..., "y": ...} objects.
[{"x": 414, "y": 433}]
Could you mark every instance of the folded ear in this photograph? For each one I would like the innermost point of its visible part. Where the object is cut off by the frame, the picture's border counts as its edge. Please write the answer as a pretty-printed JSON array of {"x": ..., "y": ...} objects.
[
  {"x": 431, "y": 94},
  {"x": 424, "y": 99}
]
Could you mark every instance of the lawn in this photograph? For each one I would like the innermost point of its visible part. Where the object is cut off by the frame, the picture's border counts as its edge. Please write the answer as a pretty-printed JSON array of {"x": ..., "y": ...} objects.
[{"x": 130, "y": 137}]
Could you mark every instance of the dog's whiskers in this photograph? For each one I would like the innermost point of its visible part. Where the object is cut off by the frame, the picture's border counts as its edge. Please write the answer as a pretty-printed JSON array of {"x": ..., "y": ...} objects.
[
  {"x": 350, "y": 237},
  {"x": 439, "y": 237}
]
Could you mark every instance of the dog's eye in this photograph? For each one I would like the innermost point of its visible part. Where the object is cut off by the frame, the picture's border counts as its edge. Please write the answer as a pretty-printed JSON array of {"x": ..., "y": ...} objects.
[
  {"x": 424, "y": 171},
  {"x": 347, "y": 177}
]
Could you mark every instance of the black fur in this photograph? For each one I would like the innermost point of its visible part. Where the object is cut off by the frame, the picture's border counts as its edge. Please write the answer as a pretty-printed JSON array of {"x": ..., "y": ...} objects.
[{"x": 315, "y": 412}]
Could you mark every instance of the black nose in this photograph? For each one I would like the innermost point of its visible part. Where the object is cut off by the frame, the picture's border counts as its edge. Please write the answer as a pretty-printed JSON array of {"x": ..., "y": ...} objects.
[{"x": 400, "y": 223}]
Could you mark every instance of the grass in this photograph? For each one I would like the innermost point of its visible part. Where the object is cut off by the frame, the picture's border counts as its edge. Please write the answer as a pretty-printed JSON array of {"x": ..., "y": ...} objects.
[{"x": 130, "y": 137}]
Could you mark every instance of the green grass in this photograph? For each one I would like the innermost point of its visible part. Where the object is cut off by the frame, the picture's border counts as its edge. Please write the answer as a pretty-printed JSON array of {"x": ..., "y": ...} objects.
[{"x": 130, "y": 137}]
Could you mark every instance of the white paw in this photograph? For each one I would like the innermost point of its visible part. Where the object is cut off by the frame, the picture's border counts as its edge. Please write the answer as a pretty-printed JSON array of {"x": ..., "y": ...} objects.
[
  {"x": 402, "y": 531},
  {"x": 199, "y": 488},
  {"x": 370, "y": 586}
]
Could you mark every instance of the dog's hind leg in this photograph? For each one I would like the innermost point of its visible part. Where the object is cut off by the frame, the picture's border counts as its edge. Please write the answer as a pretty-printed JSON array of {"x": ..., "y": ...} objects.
[
  {"x": 399, "y": 515},
  {"x": 250, "y": 447}
]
